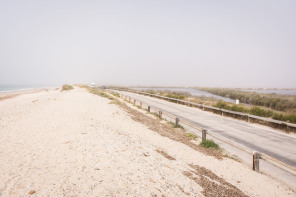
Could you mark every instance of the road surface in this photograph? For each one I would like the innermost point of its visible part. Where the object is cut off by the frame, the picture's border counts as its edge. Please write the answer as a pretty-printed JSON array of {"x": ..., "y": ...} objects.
[{"x": 263, "y": 139}]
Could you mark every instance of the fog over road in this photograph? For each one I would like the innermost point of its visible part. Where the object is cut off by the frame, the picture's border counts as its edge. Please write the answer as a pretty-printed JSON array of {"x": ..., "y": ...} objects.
[{"x": 263, "y": 139}]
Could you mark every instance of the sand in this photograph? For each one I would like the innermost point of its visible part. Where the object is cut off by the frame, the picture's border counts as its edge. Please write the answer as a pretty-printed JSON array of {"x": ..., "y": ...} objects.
[{"x": 74, "y": 143}]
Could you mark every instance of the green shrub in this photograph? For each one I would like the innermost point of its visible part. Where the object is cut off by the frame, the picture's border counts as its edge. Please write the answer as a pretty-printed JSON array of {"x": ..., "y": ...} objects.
[
  {"x": 176, "y": 96},
  {"x": 192, "y": 136},
  {"x": 222, "y": 105},
  {"x": 238, "y": 108},
  {"x": 209, "y": 144},
  {"x": 257, "y": 111}
]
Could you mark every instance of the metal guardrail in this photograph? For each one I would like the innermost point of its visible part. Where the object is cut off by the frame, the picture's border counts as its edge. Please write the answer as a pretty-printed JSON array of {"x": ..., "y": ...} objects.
[
  {"x": 222, "y": 112},
  {"x": 256, "y": 155}
]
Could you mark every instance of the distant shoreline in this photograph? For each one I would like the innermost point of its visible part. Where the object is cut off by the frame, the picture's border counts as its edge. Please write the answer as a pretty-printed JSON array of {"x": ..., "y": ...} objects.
[
  {"x": 13, "y": 93},
  {"x": 8, "y": 89}
]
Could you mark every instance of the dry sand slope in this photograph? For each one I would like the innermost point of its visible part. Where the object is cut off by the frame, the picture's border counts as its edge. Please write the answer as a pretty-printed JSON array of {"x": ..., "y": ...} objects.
[{"x": 77, "y": 144}]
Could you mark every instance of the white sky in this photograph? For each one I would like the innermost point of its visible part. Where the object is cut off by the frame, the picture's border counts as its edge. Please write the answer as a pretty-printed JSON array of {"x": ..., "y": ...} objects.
[{"x": 230, "y": 43}]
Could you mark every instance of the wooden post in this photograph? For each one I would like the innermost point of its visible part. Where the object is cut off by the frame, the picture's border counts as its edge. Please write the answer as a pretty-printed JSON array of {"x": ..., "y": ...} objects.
[
  {"x": 134, "y": 101},
  {"x": 141, "y": 104},
  {"x": 177, "y": 122},
  {"x": 256, "y": 157},
  {"x": 148, "y": 108},
  {"x": 160, "y": 114},
  {"x": 204, "y": 135},
  {"x": 129, "y": 100}
]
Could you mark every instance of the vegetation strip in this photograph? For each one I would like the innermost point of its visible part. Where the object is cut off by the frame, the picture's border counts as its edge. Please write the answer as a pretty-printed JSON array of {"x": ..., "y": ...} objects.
[
  {"x": 176, "y": 134},
  {"x": 286, "y": 104}
]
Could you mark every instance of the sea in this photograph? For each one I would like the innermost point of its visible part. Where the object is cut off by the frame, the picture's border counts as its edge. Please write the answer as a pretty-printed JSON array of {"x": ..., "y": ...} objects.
[{"x": 13, "y": 88}]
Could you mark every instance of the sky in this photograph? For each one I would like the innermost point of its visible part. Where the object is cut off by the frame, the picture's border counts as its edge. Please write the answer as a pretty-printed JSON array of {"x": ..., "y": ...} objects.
[{"x": 228, "y": 43}]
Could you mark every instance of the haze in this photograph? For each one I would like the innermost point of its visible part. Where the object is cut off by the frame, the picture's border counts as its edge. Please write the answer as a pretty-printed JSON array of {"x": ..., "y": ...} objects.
[{"x": 158, "y": 43}]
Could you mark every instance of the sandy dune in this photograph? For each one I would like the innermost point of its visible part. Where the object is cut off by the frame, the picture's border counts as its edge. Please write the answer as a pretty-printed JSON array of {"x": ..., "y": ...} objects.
[{"x": 77, "y": 144}]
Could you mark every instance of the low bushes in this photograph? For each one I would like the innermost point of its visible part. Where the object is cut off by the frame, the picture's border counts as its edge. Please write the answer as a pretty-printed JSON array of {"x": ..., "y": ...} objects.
[
  {"x": 67, "y": 87},
  {"x": 285, "y": 103},
  {"x": 257, "y": 111}
]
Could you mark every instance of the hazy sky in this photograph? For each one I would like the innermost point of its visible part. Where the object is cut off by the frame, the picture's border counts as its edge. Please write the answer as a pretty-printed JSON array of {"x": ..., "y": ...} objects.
[{"x": 227, "y": 43}]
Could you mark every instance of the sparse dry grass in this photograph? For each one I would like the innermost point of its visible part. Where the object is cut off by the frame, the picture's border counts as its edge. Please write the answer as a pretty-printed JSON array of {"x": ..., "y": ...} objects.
[{"x": 67, "y": 87}]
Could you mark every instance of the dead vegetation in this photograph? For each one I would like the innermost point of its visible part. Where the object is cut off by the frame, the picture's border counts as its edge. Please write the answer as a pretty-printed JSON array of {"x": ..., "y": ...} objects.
[
  {"x": 165, "y": 155},
  {"x": 212, "y": 184}
]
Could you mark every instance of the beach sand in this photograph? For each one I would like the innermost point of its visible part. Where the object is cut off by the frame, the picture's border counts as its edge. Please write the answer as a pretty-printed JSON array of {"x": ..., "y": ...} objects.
[{"x": 74, "y": 143}]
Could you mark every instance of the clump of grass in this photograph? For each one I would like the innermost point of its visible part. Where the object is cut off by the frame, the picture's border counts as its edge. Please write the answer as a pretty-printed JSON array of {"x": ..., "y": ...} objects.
[
  {"x": 237, "y": 108},
  {"x": 116, "y": 102},
  {"x": 153, "y": 113},
  {"x": 261, "y": 112},
  {"x": 209, "y": 144},
  {"x": 67, "y": 87},
  {"x": 99, "y": 92},
  {"x": 192, "y": 136},
  {"x": 115, "y": 94},
  {"x": 174, "y": 125}
]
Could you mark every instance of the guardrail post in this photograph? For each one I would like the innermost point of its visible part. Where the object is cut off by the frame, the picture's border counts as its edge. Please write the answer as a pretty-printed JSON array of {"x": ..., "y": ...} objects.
[
  {"x": 248, "y": 118},
  {"x": 177, "y": 122},
  {"x": 141, "y": 104},
  {"x": 160, "y": 114},
  {"x": 204, "y": 134},
  {"x": 256, "y": 157},
  {"x": 285, "y": 126},
  {"x": 148, "y": 108}
]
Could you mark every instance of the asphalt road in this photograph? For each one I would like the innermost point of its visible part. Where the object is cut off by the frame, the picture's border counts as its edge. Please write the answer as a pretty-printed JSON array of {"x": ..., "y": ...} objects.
[{"x": 263, "y": 139}]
